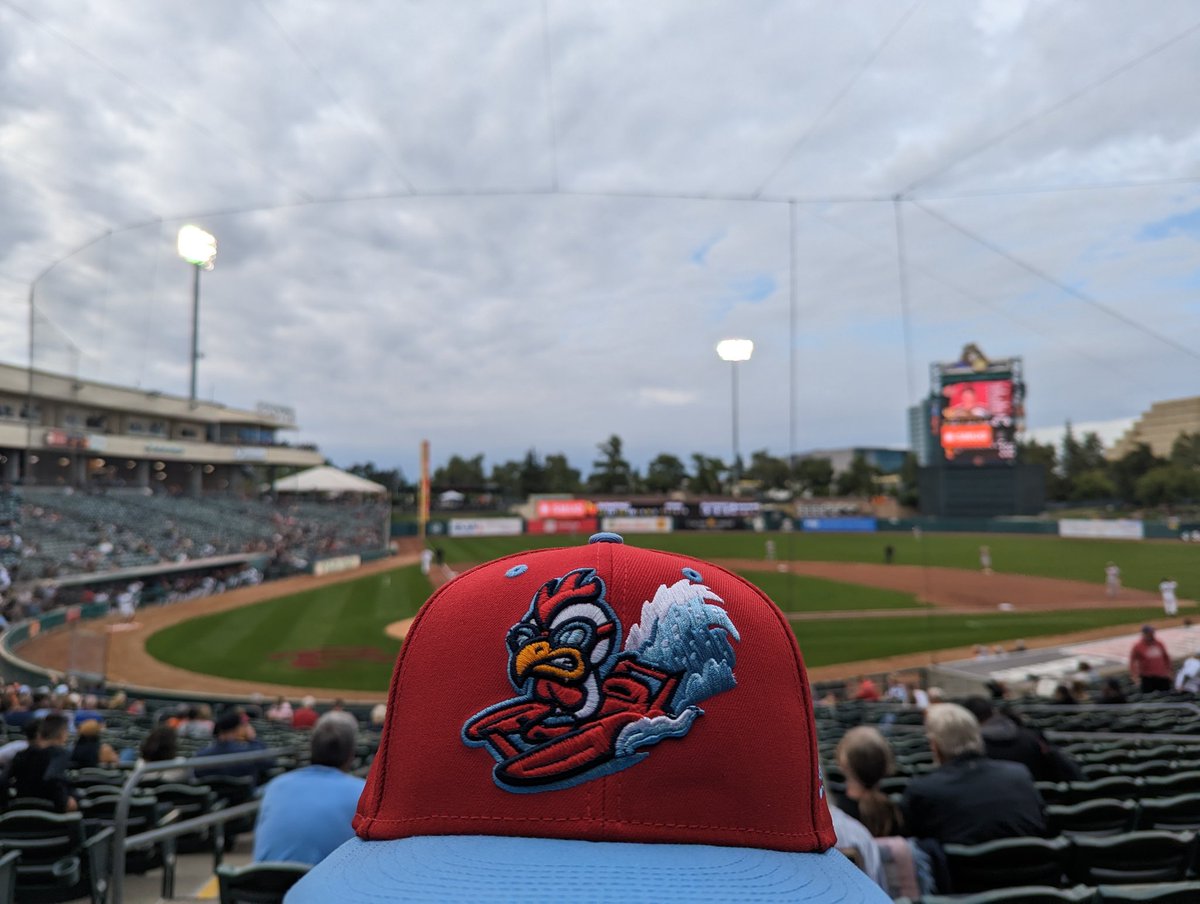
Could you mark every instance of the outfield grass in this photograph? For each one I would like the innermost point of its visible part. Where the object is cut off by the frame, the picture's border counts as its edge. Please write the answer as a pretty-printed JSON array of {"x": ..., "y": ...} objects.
[
  {"x": 260, "y": 642},
  {"x": 351, "y": 616},
  {"x": 801, "y": 593},
  {"x": 1143, "y": 563},
  {"x": 834, "y": 640}
]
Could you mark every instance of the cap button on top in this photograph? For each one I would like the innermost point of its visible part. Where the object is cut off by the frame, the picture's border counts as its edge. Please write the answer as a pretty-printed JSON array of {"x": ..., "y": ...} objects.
[{"x": 606, "y": 537}]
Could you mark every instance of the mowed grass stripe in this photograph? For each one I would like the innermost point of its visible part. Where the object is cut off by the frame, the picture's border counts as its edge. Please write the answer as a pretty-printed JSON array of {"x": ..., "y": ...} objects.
[
  {"x": 346, "y": 617},
  {"x": 1143, "y": 563},
  {"x": 830, "y": 641},
  {"x": 801, "y": 593}
]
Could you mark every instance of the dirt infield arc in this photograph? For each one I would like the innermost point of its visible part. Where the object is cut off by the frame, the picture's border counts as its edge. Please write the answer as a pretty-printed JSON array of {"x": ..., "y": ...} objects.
[{"x": 946, "y": 589}]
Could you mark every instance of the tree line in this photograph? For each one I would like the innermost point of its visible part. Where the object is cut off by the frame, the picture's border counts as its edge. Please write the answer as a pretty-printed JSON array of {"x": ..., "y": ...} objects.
[
  {"x": 1076, "y": 472},
  {"x": 611, "y": 472},
  {"x": 1079, "y": 471}
]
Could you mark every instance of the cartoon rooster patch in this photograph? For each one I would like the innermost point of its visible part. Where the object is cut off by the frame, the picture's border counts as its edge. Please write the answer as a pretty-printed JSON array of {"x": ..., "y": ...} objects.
[{"x": 587, "y": 708}]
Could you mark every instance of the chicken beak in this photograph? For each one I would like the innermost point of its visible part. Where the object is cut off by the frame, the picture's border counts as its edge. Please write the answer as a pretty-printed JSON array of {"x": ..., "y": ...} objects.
[{"x": 539, "y": 658}]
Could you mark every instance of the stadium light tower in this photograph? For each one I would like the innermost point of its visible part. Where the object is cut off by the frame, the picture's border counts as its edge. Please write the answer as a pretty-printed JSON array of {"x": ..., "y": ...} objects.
[
  {"x": 735, "y": 351},
  {"x": 199, "y": 249}
]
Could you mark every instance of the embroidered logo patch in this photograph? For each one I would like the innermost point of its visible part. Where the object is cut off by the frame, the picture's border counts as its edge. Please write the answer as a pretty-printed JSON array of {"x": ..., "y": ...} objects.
[{"x": 586, "y": 707}]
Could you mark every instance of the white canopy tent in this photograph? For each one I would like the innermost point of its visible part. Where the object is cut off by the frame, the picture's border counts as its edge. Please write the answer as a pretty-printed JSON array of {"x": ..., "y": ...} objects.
[{"x": 326, "y": 479}]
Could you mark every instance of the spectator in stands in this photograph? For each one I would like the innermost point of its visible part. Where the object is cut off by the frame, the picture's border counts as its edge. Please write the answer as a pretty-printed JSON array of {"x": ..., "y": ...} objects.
[
  {"x": 41, "y": 769},
  {"x": 162, "y": 743},
  {"x": 852, "y": 835},
  {"x": 12, "y": 748},
  {"x": 1063, "y": 696},
  {"x": 866, "y": 690},
  {"x": 234, "y": 734},
  {"x": 1005, "y": 739},
  {"x": 89, "y": 750},
  {"x": 199, "y": 725},
  {"x": 897, "y": 690},
  {"x": 281, "y": 711},
  {"x": 306, "y": 813},
  {"x": 865, "y": 757},
  {"x": 378, "y": 714},
  {"x": 21, "y": 711},
  {"x": 1111, "y": 692},
  {"x": 1150, "y": 663},
  {"x": 1188, "y": 677},
  {"x": 969, "y": 799},
  {"x": 305, "y": 715}
]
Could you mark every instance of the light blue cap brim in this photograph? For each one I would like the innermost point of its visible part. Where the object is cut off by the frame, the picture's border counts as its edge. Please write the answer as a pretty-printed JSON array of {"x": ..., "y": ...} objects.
[{"x": 447, "y": 868}]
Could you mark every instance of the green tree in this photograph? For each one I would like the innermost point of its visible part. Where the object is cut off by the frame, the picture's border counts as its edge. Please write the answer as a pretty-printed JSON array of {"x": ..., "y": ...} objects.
[
  {"x": 665, "y": 473},
  {"x": 533, "y": 474},
  {"x": 611, "y": 473},
  {"x": 1185, "y": 451},
  {"x": 860, "y": 479},
  {"x": 771, "y": 473},
  {"x": 707, "y": 474},
  {"x": 460, "y": 472},
  {"x": 560, "y": 476},
  {"x": 813, "y": 476},
  {"x": 1127, "y": 470},
  {"x": 1167, "y": 485},
  {"x": 506, "y": 479},
  {"x": 1094, "y": 484}
]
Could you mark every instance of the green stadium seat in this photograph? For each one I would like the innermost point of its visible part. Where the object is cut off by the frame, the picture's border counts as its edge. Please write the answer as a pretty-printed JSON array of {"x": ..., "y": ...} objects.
[
  {"x": 1158, "y": 893},
  {"x": 1132, "y": 858},
  {"x": 1007, "y": 862},
  {"x": 1172, "y": 814},
  {"x": 1101, "y": 817}
]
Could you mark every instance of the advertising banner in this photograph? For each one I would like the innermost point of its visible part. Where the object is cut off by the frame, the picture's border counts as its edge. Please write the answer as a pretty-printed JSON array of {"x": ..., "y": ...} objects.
[
  {"x": 563, "y": 526},
  {"x": 485, "y": 527},
  {"x": 1093, "y": 529},
  {"x": 565, "y": 508},
  {"x": 336, "y": 564},
  {"x": 638, "y": 524},
  {"x": 840, "y": 525}
]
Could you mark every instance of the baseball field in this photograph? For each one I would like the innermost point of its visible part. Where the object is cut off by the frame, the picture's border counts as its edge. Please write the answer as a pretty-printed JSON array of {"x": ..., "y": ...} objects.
[{"x": 844, "y": 603}]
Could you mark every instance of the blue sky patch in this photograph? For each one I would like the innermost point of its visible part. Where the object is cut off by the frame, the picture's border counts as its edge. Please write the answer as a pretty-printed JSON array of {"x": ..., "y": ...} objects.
[
  {"x": 1183, "y": 223},
  {"x": 699, "y": 255},
  {"x": 758, "y": 287}
]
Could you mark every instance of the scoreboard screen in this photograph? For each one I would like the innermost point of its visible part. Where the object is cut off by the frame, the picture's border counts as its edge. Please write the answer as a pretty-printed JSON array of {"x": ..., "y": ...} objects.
[{"x": 977, "y": 420}]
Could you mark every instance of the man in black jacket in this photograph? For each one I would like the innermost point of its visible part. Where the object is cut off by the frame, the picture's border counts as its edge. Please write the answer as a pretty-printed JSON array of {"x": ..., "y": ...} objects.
[
  {"x": 40, "y": 770},
  {"x": 1005, "y": 739},
  {"x": 970, "y": 799}
]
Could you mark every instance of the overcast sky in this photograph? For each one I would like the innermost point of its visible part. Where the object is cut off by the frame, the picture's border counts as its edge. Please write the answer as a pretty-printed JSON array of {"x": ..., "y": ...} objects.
[{"x": 504, "y": 225}]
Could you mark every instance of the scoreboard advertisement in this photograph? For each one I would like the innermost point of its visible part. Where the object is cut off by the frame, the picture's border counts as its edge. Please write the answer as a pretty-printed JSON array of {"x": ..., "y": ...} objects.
[{"x": 979, "y": 409}]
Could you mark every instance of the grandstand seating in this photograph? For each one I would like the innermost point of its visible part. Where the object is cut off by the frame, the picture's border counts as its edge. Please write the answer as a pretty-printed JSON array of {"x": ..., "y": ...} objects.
[
  {"x": 258, "y": 883},
  {"x": 71, "y": 533}
]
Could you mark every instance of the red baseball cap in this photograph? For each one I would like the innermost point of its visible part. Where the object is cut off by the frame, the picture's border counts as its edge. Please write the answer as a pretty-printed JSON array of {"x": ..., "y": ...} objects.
[{"x": 598, "y": 722}]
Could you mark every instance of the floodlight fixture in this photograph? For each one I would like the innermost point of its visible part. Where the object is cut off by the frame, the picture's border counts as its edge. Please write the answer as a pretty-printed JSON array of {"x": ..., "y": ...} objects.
[{"x": 735, "y": 350}]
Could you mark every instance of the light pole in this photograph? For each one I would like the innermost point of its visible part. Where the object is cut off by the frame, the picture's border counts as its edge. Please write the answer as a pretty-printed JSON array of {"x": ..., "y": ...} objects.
[
  {"x": 735, "y": 351},
  {"x": 199, "y": 249}
]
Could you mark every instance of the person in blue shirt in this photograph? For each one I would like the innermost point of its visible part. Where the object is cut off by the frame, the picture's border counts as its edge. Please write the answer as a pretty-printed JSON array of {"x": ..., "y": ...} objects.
[
  {"x": 233, "y": 733},
  {"x": 306, "y": 813}
]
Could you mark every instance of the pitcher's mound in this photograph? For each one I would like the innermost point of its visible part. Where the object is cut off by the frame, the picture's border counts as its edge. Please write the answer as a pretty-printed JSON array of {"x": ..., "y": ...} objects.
[{"x": 399, "y": 629}]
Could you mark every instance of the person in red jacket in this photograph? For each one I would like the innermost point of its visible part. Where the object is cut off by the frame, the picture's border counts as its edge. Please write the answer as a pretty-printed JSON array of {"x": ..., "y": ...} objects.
[
  {"x": 1150, "y": 663},
  {"x": 304, "y": 716}
]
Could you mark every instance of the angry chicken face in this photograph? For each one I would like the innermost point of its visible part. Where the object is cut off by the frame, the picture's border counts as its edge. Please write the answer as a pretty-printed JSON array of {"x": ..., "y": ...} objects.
[{"x": 565, "y": 642}]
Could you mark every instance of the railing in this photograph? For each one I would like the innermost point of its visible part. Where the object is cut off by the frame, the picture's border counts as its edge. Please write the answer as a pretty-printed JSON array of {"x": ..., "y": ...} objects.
[{"x": 121, "y": 844}]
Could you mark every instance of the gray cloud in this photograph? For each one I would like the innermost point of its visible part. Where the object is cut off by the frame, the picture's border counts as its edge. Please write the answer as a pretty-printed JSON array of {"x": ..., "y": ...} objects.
[{"x": 490, "y": 314}]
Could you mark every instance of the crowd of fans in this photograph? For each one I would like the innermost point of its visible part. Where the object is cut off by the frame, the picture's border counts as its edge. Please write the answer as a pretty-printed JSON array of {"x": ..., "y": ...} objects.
[
  {"x": 976, "y": 780},
  {"x": 52, "y": 533}
]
